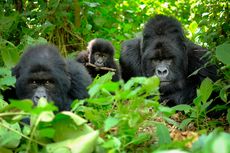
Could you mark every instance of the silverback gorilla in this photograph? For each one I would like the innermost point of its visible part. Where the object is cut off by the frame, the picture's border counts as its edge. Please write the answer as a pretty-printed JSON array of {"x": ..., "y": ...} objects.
[
  {"x": 100, "y": 53},
  {"x": 42, "y": 72},
  {"x": 164, "y": 51}
]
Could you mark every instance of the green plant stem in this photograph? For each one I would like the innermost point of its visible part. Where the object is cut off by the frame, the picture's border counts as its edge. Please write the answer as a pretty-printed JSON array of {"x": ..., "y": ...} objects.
[
  {"x": 13, "y": 113},
  {"x": 24, "y": 136},
  {"x": 32, "y": 133}
]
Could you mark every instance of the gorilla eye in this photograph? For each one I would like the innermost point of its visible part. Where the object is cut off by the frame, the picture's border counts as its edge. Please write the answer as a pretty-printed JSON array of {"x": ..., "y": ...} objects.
[
  {"x": 47, "y": 82},
  {"x": 34, "y": 82}
]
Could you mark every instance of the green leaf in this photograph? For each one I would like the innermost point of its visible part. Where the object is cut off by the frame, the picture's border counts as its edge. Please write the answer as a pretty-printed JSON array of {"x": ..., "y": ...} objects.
[
  {"x": 46, "y": 132},
  {"x": 183, "y": 107},
  {"x": 171, "y": 151},
  {"x": 197, "y": 101},
  {"x": 228, "y": 116},
  {"x": 110, "y": 122},
  {"x": 135, "y": 117},
  {"x": 46, "y": 116},
  {"x": 112, "y": 143},
  {"x": 151, "y": 84},
  {"x": 25, "y": 105},
  {"x": 77, "y": 119},
  {"x": 224, "y": 94},
  {"x": 3, "y": 103},
  {"x": 166, "y": 110},
  {"x": 111, "y": 86},
  {"x": 223, "y": 53},
  {"x": 206, "y": 89},
  {"x": 9, "y": 138},
  {"x": 4, "y": 150},
  {"x": 142, "y": 137},
  {"x": 221, "y": 141},
  {"x": 101, "y": 100},
  {"x": 163, "y": 134},
  {"x": 10, "y": 56},
  {"x": 73, "y": 125},
  {"x": 185, "y": 122},
  {"x": 83, "y": 144},
  {"x": 193, "y": 27},
  {"x": 98, "y": 83},
  {"x": 8, "y": 81}
]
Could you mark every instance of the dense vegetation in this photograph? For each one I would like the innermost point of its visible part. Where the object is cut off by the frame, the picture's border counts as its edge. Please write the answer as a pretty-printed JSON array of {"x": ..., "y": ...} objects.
[{"x": 118, "y": 117}]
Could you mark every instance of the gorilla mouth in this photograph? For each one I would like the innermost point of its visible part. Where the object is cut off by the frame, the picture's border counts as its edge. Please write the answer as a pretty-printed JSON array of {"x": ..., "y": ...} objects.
[
  {"x": 99, "y": 64},
  {"x": 164, "y": 83}
]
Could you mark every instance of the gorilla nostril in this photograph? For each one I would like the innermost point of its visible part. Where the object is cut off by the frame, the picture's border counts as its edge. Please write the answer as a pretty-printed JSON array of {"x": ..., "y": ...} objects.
[
  {"x": 165, "y": 72},
  {"x": 158, "y": 72},
  {"x": 162, "y": 72}
]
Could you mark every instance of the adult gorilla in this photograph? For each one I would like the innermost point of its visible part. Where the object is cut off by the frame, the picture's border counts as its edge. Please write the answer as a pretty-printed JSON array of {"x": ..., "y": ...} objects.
[
  {"x": 42, "y": 72},
  {"x": 165, "y": 51}
]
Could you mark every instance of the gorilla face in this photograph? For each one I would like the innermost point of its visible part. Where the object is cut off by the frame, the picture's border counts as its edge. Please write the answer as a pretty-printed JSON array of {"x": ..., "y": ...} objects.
[
  {"x": 36, "y": 84},
  {"x": 42, "y": 72},
  {"x": 166, "y": 59},
  {"x": 100, "y": 59},
  {"x": 101, "y": 53}
]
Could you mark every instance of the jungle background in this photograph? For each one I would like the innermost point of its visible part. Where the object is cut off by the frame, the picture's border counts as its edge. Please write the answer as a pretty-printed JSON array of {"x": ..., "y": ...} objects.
[{"x": 119, "y": 117}]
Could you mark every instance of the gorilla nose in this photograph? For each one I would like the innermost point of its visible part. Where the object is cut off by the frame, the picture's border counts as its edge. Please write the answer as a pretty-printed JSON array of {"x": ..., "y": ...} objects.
[
  {"x": 162, "y": 72},
  {"x": 39, "y": 93}
]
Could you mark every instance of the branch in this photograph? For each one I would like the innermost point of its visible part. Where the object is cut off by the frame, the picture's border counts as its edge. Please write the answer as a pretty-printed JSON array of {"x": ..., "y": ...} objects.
[{"x": 101, "y": 68}]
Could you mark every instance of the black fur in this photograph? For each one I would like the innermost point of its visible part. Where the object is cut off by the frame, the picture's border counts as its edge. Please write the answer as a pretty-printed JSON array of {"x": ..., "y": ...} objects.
[
  {"x": 104, "y": 47},
  {"x": 67, "y": 80},
  {"x": 163, "y": 40}
]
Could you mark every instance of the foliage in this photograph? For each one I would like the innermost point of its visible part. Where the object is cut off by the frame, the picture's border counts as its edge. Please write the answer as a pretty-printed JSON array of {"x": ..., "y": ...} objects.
[
  {"x": 42, "y": 130},
  {"x": 127, "y": 117}
]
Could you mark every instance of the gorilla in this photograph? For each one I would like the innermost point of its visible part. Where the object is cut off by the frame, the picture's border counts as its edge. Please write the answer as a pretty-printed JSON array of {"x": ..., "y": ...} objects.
[
  {"x": 99, "y": 58},
  {"x": 43, "y": 72},
  {"x": 164, "y": 51}
]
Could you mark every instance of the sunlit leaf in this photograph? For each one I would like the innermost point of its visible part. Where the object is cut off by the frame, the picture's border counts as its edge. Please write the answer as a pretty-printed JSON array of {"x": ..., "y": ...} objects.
[
  {"x": 25, "y": 105},
  {"x": 83, "y": 144},
  {"x": 206, "y": 89},
  {"x": 9, "y": 138},
  {"x": 223, "y": 53},
  {"x": 110, "y": 122},
  {"x": 183, "y": 107},
  {"x": 162, "y": 134}
]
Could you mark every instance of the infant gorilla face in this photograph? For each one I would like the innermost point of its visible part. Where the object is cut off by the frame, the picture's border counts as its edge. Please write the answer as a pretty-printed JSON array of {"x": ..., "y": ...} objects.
[{"x": 99, "y": 59}]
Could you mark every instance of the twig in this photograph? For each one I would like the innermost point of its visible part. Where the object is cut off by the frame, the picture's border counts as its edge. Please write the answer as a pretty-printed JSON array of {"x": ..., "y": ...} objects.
[{"x": 102, "y": 68}]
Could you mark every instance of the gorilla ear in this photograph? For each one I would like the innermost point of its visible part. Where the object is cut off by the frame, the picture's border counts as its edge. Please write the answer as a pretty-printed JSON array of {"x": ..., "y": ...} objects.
[{"x": 15, "y": 71}]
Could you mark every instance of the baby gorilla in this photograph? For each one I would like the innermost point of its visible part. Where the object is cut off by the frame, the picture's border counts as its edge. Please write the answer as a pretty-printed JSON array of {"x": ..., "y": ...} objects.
[
  {"x": 42, "y": 72},
  {"x": 99, "y": 58}
]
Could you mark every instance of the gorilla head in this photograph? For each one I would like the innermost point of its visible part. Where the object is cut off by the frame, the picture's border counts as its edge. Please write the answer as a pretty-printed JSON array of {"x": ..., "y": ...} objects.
[
  {"x": 164, "y": 53},
  {"x": 101, "y": 52},
  {"x": 42, "y": 72}
]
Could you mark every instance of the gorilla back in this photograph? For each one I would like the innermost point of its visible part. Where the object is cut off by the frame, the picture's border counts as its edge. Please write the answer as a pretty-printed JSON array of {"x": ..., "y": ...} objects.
[
  {"x": 42, "y": 72},
  {"x": 164, "y": 51}
]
